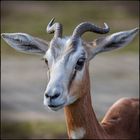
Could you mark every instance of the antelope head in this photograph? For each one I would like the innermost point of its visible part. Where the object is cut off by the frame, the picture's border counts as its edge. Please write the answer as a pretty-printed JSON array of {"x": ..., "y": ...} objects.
[{"x": 68, "y": 58}]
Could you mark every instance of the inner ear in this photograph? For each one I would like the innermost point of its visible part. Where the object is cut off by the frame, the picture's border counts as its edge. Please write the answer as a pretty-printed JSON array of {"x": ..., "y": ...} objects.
[
  {"x": 89, "y": 47},
  {"x": 112, "y": 42}
]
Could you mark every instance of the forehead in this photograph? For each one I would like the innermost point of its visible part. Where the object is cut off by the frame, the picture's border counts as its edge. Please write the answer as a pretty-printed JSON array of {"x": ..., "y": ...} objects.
[{"x": 64, "y": 48}]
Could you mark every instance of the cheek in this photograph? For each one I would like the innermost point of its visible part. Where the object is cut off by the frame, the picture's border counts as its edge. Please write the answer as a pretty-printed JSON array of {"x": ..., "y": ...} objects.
[{"x": 76, "y": 85}]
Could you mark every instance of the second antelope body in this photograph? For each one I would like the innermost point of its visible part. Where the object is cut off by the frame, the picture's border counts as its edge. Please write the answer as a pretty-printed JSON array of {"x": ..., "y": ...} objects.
[{"x": 68, "y": 59}]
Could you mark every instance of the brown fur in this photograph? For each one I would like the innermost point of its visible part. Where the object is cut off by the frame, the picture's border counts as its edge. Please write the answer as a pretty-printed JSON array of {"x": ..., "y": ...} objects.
[{"x": 121, "y": 120}]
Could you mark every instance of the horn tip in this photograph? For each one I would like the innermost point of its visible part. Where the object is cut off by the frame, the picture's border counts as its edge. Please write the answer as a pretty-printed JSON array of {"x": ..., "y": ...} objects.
[
  {"x": 49, "y": 25},
  {"x": 53, "y": 19},
  {"x": 106, "y": 26}
]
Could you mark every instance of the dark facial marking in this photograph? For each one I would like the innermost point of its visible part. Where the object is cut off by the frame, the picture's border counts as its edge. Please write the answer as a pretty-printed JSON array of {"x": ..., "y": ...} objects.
[
  {"x": 48, "y": 70},
  {"x": 71, "y": 79}
]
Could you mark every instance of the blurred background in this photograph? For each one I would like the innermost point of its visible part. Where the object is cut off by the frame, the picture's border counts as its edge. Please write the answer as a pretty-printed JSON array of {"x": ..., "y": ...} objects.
[{"x": 24, "y": 78}]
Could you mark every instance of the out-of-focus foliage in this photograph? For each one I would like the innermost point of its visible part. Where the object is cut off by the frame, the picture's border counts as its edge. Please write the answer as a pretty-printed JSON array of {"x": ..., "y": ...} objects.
[
  {"x": 32, "y": 17},
  {"x": 33, "y": 129}
]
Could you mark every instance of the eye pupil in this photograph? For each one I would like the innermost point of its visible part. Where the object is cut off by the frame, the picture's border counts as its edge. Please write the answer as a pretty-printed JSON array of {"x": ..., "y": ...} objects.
[
  {"x": 46, "y": 61},
  {"x": 80, "y": 64}
]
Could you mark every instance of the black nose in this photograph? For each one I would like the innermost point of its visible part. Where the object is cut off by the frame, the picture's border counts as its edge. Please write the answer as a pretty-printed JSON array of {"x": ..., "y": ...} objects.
[{"x": 56, "y": 95}]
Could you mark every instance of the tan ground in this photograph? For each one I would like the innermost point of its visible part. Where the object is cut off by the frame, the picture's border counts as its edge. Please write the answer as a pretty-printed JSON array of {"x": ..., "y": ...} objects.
[{"x": 24, "y": 80}]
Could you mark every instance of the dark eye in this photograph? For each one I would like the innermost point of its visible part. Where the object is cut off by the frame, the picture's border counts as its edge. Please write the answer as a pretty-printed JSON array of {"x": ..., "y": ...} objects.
[
  {"x": 80, "y": 64},
  {"x": 46, "y": 61}
]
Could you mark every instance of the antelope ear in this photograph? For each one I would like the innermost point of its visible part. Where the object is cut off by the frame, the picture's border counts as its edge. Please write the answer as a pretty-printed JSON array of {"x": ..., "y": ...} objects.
[
  {"x": 112, "y": 42},
  {"x": 25, "y": 43}
]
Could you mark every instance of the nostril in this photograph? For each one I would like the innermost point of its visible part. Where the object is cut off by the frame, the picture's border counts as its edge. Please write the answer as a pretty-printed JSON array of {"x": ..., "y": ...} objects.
[
  {"x": 55, "y": 96},
  {"x": 46, "y": 95}
]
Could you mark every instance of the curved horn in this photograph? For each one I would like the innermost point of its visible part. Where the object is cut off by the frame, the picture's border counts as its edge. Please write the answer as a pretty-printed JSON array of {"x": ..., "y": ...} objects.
[
  {"x": 55, "y": 28},
  {"x": 87, "y": 26}
]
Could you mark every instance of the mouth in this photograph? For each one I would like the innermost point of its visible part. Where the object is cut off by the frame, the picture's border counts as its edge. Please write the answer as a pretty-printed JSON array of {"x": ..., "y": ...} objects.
[{"x": 55, "y": 107}]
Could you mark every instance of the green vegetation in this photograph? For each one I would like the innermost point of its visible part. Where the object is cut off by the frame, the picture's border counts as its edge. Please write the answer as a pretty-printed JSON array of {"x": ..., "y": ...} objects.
[{"x": 33, "y": 129}]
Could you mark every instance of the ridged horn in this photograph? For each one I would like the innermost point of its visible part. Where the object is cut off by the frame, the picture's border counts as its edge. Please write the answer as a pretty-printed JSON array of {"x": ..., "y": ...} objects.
[
  {"x": 55, "y": 28},
  {"x": 87, "y": 26}
]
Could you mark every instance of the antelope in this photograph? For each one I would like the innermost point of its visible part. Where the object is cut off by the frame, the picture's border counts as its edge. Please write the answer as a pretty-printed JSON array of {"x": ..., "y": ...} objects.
[{"x": 67, "y": 59}]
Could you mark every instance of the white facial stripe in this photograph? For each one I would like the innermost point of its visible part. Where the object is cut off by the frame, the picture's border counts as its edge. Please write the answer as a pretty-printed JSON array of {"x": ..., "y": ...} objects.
[
  {"x": 72, "y": 57},
  {"x": 64, "y": 69},
  {"x": 77, "y": 133},
  {"x": 61, "y": 70},
  {"x": 59, "y": 47}
]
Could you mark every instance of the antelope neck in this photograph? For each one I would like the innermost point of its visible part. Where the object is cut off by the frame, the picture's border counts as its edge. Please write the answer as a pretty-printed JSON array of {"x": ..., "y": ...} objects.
[{"x": 81, "y": 115}]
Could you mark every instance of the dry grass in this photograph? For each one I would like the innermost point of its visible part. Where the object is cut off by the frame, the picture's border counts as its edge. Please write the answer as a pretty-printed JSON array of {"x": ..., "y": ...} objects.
[{"x": 33, "y": 130}]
